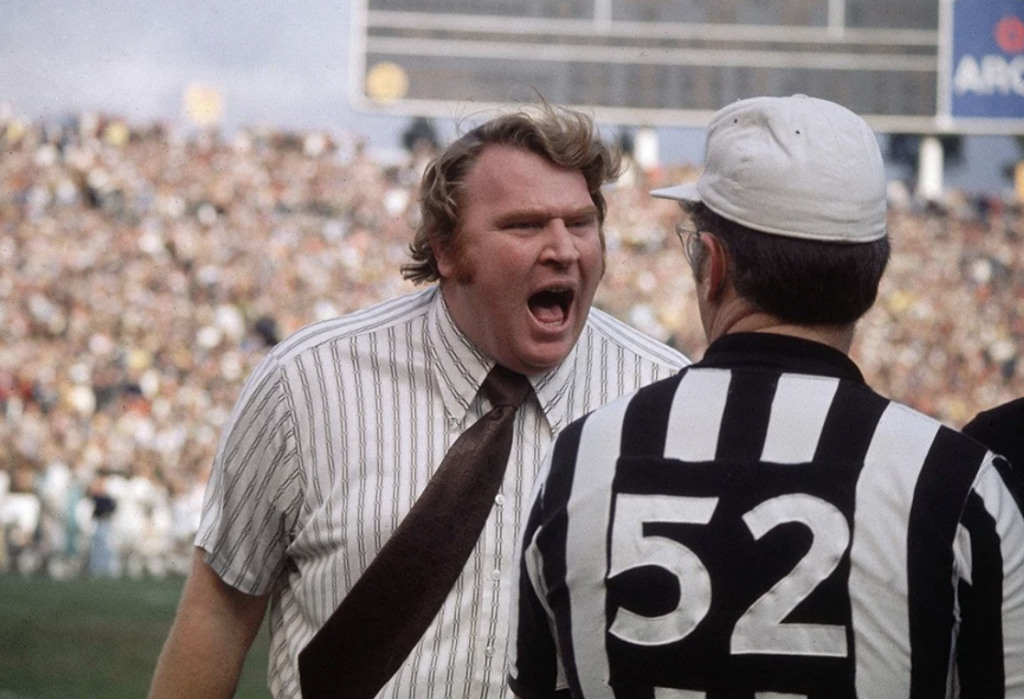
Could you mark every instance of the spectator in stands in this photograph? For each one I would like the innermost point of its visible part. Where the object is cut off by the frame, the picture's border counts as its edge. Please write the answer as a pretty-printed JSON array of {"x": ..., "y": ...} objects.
[{"x": 102, "y": 556}]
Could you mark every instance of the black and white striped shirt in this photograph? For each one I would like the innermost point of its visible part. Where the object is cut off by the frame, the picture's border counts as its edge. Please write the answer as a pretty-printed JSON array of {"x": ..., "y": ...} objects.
[
  {"x": 764, "y": 525},
  {"x": 336, "y": 434}
]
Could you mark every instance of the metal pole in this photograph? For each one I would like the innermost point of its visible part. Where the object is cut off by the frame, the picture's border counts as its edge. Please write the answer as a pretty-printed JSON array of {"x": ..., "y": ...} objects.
[
  {"x": 944, "y": 69},
  {"x": 603, "y": 15},
  {"x": 836, "y": 17},
  {"x": 930, "y": 169}
]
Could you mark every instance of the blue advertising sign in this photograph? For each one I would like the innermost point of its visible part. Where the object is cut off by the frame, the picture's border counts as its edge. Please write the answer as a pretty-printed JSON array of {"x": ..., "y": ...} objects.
[{"x": 988, "y": 59}]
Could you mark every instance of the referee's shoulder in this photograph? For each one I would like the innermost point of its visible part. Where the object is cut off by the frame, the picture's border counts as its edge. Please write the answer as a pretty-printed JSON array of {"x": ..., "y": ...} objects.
[{"x": 968, "y": 448}]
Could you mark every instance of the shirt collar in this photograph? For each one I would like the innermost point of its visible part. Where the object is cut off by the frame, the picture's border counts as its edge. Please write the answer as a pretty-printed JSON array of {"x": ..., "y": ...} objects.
[
  {"x": 779, "y": 352},
  {"x": 460, "y": 368},
  {"x": 552, "y": 388}
]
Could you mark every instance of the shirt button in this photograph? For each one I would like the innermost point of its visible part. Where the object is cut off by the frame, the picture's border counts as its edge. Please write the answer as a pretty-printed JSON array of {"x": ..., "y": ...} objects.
[
  {"x": 489, "y": 651},
  {"x": 496, "y": 574},
  {"x": 499, "y": 500}
]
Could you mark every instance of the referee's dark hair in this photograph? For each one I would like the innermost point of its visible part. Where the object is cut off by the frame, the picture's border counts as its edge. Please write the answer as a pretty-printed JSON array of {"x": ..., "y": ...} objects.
[{"x": 806, "y": 282}]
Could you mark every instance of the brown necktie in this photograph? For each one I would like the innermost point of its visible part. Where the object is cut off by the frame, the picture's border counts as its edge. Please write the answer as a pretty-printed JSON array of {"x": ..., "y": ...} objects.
[{"x": 386, "y": 612}]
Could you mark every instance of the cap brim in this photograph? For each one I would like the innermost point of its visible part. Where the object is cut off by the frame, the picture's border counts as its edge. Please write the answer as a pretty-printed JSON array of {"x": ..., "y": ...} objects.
[{"x": 682, "y": 192}]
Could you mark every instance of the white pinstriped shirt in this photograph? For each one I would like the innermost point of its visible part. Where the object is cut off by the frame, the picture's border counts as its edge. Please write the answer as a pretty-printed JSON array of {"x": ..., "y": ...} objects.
[{"x": 335, "y": 435}]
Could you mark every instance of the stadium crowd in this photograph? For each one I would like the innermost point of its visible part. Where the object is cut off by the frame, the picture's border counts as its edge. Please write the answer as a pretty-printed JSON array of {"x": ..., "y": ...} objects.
[{"x": 144, "y": 272}]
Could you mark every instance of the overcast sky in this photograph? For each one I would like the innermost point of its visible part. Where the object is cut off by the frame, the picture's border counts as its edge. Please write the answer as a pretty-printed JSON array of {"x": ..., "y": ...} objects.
[{"x": 274, "y": 63}]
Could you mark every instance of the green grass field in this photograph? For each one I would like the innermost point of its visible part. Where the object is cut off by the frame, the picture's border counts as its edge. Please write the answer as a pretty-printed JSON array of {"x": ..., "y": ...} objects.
[{"x": 93, "y": 639}]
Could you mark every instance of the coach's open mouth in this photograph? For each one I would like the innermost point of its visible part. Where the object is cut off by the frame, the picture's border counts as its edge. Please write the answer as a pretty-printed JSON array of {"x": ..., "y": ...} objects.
[{"x": 551, "y": 306}]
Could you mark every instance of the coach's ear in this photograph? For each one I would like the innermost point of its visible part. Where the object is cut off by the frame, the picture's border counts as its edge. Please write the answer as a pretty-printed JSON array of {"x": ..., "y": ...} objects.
[{"x": 445, "y": 254}]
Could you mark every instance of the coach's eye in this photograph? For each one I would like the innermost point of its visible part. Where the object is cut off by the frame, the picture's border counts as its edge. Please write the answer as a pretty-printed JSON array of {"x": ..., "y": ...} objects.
[{"x": 583, "y": 221}]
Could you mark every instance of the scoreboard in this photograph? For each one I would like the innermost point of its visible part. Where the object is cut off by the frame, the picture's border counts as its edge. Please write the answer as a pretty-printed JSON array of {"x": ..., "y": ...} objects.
[
  {"x": 657, "y": 62},
  {"x": 986, "y": 83}
]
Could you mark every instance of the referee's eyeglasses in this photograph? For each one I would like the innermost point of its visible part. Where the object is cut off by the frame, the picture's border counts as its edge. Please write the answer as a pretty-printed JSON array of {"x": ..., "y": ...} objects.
[{"x": 689, "y": 236}]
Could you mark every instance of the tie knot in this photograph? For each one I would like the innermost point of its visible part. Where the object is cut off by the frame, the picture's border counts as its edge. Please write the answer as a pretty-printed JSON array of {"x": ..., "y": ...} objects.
[{"x": 506, "y": 387}]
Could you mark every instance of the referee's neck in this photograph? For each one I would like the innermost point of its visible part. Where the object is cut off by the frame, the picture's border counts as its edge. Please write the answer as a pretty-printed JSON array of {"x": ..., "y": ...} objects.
[
  {"x": 838, "y": 336},
  {"x": 727, "y": 312}
]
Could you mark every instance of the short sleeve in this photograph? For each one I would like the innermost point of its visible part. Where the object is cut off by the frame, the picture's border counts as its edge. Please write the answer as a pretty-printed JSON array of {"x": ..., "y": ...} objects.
[{"x": 255, "y": 486}]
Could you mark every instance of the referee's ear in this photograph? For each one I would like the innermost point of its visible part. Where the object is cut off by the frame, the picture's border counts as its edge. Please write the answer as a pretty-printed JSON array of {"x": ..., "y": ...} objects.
[{"x": 715, "y": 264}]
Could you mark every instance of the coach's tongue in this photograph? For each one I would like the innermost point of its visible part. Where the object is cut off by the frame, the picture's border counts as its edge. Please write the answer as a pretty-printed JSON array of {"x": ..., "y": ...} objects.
[{"x": 550, "y": 306}]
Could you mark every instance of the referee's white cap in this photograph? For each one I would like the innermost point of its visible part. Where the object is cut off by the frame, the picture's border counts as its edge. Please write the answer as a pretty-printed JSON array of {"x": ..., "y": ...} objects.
[{"x": 795, "y": 166}]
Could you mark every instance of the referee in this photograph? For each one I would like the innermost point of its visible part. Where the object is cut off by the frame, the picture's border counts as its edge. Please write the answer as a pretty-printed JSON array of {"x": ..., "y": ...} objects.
[{"x": 763, "y": 524}]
